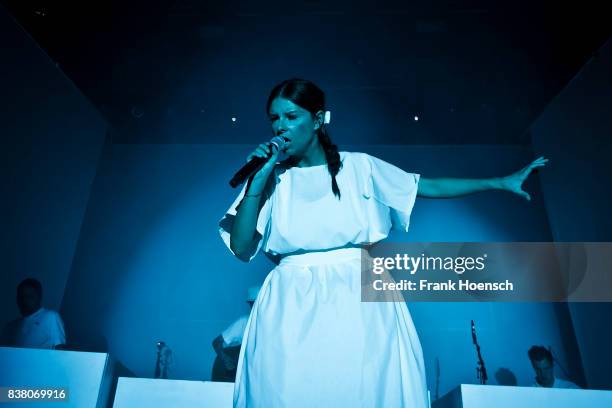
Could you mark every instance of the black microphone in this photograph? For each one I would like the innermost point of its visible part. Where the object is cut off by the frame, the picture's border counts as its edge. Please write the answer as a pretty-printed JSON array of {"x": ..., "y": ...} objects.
[{"x": 256, "y": 163}]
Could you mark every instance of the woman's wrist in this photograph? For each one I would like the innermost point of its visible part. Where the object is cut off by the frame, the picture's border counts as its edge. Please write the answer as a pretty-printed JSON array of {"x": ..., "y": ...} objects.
[
  {"x": 500, "y": 183},
  {"x": 256, "y": 186}
]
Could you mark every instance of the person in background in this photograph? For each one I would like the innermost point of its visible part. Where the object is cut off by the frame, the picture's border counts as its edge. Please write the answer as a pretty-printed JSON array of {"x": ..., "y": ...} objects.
[
  {"x": 544, "y": 367},
  {"x": 227, "y": 344},
  {"x": 37, "y": 327}
]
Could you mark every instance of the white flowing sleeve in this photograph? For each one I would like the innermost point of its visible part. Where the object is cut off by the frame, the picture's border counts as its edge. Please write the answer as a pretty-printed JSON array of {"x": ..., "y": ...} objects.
[
  {"x": 261, "y": 229},
  {"x": 393, "y": 188}
]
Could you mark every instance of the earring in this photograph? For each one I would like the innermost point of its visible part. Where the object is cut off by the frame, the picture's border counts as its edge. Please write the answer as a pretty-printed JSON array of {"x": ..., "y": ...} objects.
[{"x": 327, "y": 117}]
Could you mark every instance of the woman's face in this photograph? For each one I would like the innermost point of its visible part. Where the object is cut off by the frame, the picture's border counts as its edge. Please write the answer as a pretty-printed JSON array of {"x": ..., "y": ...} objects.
[{"x": 296, "y": 124}]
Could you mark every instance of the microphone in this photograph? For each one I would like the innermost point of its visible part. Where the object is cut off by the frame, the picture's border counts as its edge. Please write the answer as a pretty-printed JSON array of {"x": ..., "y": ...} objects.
[{"x": 256, "y": 163}]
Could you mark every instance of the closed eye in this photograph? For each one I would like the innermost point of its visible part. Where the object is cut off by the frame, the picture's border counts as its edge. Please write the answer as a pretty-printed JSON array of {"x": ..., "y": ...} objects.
[{"x": 290, "y": 117}]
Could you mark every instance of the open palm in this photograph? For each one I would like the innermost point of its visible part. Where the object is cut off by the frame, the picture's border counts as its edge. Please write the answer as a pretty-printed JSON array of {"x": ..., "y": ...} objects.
[{"x": 514, "y": 182}]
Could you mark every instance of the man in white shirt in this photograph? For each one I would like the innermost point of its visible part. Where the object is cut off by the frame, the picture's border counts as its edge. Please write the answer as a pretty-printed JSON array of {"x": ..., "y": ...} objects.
[
  {"x": 37, "y": 327},
  {"x": 227, "y": 344},
  {"x": 543, "y": 365}
]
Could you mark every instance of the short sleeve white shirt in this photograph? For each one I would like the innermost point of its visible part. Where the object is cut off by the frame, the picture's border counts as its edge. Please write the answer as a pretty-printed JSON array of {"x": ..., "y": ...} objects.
[{"x": 43, "y": 329}]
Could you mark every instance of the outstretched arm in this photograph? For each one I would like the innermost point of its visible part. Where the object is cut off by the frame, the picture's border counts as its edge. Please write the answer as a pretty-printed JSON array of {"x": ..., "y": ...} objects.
[{"x": 456, "y": 187}]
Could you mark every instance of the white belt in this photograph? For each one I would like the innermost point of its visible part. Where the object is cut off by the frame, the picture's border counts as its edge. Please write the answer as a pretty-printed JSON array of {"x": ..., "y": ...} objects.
[{"x": 333, "y": 256}]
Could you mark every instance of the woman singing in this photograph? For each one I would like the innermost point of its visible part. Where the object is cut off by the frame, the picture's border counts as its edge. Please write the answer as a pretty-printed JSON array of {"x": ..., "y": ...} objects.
[{"x": 310, "y": 341}]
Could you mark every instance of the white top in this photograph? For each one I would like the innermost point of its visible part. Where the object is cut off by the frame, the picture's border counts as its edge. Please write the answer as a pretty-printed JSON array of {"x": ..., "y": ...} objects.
[
  {"x": 42, "y": 329},
  {"x": 232, "y": 336},
  {"x": 375, "y": 196},
  {"x": 559, "y": 383}
]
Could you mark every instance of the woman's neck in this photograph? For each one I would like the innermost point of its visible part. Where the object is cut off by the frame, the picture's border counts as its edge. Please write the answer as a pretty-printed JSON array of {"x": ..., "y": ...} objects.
[{"x": 314, "y": 156}]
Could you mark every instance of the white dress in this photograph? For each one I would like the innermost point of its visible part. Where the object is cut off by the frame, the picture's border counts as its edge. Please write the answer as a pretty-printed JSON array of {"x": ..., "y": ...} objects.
[{"x": 310, "y": 341}]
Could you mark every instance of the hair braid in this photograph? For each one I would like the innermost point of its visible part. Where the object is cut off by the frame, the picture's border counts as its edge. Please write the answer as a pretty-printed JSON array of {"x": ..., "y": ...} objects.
[{"x": 333, "y": 158}]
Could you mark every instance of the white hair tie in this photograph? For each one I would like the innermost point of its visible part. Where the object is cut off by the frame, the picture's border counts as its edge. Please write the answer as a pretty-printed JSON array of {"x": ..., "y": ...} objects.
[{"x": 327, "y": 117}]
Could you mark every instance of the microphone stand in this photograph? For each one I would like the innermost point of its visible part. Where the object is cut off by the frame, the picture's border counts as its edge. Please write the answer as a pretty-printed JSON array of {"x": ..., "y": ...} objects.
[
  {"x": 162, "y": 361},
  {"x": 481, "y": 371}
]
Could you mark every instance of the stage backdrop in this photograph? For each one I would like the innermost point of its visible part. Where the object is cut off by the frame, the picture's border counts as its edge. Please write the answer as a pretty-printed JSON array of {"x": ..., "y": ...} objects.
[{"x": 576, "y": 129}]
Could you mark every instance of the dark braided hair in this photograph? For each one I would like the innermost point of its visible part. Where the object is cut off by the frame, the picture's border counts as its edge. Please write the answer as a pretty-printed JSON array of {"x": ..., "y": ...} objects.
[{"x": 310, "y": 97}]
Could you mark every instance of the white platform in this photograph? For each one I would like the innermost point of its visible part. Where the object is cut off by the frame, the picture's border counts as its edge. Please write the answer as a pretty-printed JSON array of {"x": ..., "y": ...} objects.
[
  {"x": 497, "y": 396},
  {"x": 86, "y": 375},
  {"x": 154, "y": 393}
]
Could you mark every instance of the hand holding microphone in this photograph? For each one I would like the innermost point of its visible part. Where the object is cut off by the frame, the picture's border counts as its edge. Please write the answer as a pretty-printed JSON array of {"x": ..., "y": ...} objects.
[
  {"x": 267, "y": 151},
  {"x": 260, "y": 162}
]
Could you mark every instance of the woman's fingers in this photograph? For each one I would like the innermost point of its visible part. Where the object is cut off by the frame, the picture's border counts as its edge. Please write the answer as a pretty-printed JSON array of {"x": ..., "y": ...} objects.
[
  {"x": 525, "y": 195},
  {"x": 540, "y": 162},
  {"x": 263, "y": 150},
  {"x": 536, "y": 165},
  {"x": 266, "y": 148}
]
